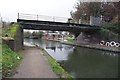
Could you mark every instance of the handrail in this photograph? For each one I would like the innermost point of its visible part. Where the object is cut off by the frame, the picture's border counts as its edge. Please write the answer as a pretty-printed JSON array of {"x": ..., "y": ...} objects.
[{"x": 41, "y": 17}]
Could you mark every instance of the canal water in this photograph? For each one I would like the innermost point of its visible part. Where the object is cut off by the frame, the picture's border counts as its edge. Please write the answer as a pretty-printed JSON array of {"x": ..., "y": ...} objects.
[{"x": 81, "y": 62}]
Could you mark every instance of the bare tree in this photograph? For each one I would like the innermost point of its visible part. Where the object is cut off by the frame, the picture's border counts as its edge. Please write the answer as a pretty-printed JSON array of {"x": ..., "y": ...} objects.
[{"x": 108, "y": 10}]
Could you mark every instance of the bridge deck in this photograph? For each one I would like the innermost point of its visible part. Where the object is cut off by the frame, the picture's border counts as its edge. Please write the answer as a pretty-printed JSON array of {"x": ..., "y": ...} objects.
[{"x": 59, "y": 26}]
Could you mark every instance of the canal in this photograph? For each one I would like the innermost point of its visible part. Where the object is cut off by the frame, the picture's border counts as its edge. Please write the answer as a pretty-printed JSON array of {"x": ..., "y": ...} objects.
[{"x": 81, "y": 62}]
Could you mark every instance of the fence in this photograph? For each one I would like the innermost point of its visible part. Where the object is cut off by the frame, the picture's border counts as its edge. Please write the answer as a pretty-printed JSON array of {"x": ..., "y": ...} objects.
[
  {"x": 41, "y": 17},
  {"x": 95, "y": 21}
]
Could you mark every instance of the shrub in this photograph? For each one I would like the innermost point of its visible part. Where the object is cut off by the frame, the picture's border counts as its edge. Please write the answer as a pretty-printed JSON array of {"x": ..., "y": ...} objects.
[
  {"x": 10, "y": 31},
  {"x": 10, "y": 60}
]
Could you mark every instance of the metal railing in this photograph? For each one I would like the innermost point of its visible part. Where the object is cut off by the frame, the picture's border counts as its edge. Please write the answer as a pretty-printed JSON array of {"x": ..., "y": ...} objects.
[{"x": 41, "y": 17}]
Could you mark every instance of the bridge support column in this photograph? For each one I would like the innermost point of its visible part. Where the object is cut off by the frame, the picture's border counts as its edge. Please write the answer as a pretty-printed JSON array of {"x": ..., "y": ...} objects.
[
  {"x": 19, "y": 39},
  {"x": 86, "y": 37},
  {"x": 77, "y": 34}
]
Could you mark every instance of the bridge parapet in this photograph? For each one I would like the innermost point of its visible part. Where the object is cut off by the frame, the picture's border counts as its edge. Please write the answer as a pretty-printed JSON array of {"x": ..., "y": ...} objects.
[{"x": 42, "y": 17}]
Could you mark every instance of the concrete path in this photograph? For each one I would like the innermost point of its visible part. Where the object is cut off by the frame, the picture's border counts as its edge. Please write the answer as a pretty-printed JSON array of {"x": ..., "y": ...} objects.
[{"x": 34, "y": 65}]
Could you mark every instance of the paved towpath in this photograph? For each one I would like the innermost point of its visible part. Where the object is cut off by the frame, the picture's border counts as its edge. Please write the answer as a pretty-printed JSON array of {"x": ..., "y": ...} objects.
[{"x": 34, "y": 65}]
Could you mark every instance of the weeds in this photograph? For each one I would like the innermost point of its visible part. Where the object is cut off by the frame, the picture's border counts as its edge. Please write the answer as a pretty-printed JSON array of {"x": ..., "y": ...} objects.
[{"x": 10, "y": 60}]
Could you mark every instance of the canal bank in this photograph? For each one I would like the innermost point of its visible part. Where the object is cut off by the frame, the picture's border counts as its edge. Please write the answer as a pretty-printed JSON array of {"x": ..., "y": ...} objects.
[
  {"x": 91, "y": 46},
  {"x": 95, "y": 46},
  {"x": 56, "y": 68}
]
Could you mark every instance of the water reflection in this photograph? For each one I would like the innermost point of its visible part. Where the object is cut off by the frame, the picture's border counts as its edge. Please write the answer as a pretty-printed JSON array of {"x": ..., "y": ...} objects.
[
  {"x": 52, "y": 48},
  {"x": 82, "y": 62},
  {"x": 91, "y": 64}
]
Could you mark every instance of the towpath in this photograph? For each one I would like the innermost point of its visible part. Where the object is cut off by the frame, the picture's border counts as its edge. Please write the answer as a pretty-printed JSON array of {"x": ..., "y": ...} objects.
[{"x": 34, "y": 65}]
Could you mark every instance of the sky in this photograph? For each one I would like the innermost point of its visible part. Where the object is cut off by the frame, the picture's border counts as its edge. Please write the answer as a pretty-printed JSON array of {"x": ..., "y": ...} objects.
[{"x": 60, "y": 8}]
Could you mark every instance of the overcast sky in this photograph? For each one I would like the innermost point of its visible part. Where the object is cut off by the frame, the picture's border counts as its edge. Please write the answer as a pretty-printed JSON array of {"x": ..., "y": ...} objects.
[{"x": 60, "y": 8}]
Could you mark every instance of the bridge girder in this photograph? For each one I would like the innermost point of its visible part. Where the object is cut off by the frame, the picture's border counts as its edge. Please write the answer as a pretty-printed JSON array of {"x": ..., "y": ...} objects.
[{"x": 56, "y": 26}]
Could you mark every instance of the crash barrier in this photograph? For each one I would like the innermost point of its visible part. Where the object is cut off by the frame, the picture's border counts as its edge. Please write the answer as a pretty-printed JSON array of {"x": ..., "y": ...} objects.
[{"x": 112, "y": 43}]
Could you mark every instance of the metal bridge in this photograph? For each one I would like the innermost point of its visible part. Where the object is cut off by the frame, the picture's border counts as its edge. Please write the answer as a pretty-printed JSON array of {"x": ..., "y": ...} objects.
[{"x": 40, "y": 22}]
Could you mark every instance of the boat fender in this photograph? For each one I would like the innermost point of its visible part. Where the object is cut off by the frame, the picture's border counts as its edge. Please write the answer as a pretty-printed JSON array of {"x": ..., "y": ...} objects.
[
  {"x": 112, "y": 43},
  {"x": 107, "y": 44},
  {"x": 102, "y": 42},
  {"x": 117, "y": 44}
]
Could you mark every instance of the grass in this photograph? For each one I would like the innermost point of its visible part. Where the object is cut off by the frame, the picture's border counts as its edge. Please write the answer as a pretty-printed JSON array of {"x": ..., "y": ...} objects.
[
  {"x": 56, "y": 67},
  {"x": 10, "y": 31},
  {"x": 10, "y": 60},
  {"x": 70, "y": 39},
  {"x": 105, "y": 33},
  {"x": 0, "y": 59}
]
